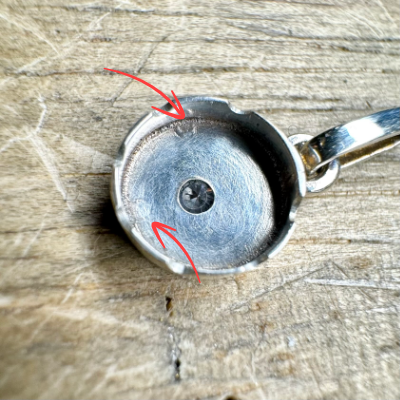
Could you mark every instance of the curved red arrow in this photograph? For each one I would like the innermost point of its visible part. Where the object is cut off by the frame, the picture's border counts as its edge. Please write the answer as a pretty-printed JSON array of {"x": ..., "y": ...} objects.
[
  {"x": 178, "y": 107},
  {"x": 161, "y": 227}
]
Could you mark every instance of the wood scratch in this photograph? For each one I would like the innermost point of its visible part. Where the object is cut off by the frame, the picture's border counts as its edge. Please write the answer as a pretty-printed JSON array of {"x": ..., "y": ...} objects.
[
  {"x": 21, "y": 26},
  {"x": 110, "y": 372},
  {"x": 42, "y": 116},
  {"x": 26, "y": 250},
  {"x": 79, "y": 315},
  {"x": 95, "y": 25},
  {"x": 71, "y": 289},
  {"x": 48, "y": 393},
  {"x": 39, "y": 327},
  {"x": 316, "y": 381},
  {"x": 139, "y": 69},
  {"x": 365, "y": 22},
  {"x": 253, "y": 376},
  {"x": 353, "y": 283},
  {"x": 264, "y": 292},
  {"x": 337, "y": 266},
  {"x": 6, "y": 374},
  {"x": 213, "y": 83},
  {"x": 65, "y": 49},
  {"x": 386, "y": 12},
  {"x": 103, "y": 381},
  {"x": 391, "y": 309},
  {"x": 46, "y": 156},
  {"x": 11, "y": 141},
  {"x": 23, "y": 69}
]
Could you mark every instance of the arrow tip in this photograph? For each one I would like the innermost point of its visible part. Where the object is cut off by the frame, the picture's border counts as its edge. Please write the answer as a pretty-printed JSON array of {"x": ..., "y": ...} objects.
[
  {"x": 162, "y": 227},
  {"x": 159, "y": 225},
  {"x": 156, "y": 226},
  {"x": 179, "y": 109}
]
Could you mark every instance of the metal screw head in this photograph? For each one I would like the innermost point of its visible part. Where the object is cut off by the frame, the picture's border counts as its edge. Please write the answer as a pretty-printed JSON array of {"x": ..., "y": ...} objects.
[{"x": 196, "y": 196}]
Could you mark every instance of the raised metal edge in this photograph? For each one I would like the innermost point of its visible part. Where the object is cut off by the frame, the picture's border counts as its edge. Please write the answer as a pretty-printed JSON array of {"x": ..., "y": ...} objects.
[{"x": 134, "y": 235}]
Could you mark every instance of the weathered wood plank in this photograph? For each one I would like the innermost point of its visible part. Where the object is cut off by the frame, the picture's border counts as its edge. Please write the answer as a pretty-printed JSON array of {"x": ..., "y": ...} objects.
[{"x": 83, "y": 314}]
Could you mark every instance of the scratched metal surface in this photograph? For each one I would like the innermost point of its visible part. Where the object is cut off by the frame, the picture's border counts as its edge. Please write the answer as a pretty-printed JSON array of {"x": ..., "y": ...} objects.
[
  {"x": 240, "y": 224},
  {"x": 83, "y": 314}
]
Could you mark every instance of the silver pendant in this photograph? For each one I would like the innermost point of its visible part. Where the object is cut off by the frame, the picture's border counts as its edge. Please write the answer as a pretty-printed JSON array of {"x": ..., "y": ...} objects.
[{"x": 228, "y": 181}]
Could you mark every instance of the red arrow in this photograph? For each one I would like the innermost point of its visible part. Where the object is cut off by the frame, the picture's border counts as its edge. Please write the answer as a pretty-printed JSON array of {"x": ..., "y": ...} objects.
[
  {"x": 161, "y": 227},
  {"x": 178, "y": 107}
]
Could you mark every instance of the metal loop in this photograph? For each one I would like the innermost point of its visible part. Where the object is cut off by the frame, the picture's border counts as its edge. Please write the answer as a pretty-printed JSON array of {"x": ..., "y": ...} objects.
[{"x": 327, "y": 174}]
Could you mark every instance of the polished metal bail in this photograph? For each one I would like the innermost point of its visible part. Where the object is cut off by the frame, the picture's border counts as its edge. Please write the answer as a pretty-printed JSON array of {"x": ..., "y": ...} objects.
[{"x": 325, "y": 154}]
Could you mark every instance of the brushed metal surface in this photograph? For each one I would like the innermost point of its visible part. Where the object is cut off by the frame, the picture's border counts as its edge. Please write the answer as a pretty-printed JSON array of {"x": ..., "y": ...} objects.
[{"x": 236, "y": 229}]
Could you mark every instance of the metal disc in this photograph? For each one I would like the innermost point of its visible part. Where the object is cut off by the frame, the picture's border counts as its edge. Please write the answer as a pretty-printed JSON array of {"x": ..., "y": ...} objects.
[
  {"x": 227, "y": 181},
  {"x": 167, "y": 178}
]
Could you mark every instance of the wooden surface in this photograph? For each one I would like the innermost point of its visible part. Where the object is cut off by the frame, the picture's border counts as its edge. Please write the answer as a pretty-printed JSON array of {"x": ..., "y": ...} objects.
[{"x": 83, "y": 314}]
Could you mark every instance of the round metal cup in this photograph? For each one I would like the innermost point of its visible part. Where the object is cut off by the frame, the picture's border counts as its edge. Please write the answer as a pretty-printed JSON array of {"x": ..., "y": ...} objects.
[{"x": 228, "y": 181}]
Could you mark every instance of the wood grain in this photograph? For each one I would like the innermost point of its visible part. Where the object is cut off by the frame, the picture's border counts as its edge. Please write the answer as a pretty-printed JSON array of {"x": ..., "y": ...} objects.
[{"x": 83, "y": 314}]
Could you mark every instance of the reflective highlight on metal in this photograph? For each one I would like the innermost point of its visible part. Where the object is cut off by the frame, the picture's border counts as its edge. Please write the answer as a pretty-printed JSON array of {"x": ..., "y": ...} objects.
[
  {"x": 228, "y": 181},
  {"x": 342, "y": 140}
]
